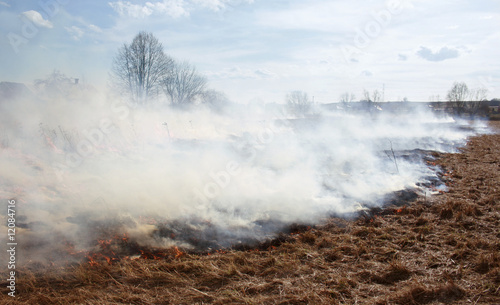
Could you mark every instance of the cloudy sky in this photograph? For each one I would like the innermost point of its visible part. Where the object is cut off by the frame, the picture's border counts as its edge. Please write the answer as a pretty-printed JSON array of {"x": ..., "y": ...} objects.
[{"x": 258, "y": 50}]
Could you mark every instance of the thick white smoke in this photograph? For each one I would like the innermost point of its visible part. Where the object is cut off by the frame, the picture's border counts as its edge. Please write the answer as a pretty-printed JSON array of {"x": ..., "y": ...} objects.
[{"x": 94, "y": 166}]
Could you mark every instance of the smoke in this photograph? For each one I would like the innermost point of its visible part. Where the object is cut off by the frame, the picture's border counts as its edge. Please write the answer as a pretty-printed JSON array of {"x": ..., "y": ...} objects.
[{"x": 92, "y": 167}]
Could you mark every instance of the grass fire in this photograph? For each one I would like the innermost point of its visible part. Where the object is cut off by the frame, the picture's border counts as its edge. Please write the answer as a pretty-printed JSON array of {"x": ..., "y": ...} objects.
[
  {"x": 215, "y": 152},
  {"x": 322, "y": 211}
]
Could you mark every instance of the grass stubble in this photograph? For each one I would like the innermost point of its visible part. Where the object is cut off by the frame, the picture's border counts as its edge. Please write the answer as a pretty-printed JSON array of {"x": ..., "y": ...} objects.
[{"x": 442, "y": 249}]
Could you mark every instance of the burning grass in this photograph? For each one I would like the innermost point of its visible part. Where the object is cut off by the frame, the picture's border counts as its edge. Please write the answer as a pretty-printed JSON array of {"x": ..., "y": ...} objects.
[{"x": 442, "y": 249}]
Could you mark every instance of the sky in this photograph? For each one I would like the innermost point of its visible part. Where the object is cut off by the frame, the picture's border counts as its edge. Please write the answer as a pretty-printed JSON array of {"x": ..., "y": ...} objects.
[{"x": 257, "y": 51}]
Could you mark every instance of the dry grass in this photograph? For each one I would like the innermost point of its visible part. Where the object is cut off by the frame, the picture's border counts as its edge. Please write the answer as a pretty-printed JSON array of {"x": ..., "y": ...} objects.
[{"x": 439, "y": 250}]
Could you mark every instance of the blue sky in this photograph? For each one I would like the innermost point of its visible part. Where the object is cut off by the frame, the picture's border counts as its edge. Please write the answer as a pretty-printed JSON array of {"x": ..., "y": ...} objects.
[{"x": 257, "y": 51}]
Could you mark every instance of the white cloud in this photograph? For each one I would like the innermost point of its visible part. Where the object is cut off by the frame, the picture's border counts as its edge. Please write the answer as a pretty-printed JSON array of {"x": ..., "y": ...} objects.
[
  {"x": 214, "y": 5},
  {"x": 217, "y": 5},
  {"x": 4, "y": 4},
  {"x": 37, "y": 19},
  {"x": 264, "y": 73},
  {"x": 125, "y": 8},
  {"x": 95, "y": 28},
  {"x": 366, "y": 73},
  {"x": 172, "y": 8},
  {"x": 75, "y": 32},
  {"x": 443, "y": 54}
]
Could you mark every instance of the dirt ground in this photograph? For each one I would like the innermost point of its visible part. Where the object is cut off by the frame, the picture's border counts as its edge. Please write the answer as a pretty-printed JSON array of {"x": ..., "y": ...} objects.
[{"x": 443, "y": 249}]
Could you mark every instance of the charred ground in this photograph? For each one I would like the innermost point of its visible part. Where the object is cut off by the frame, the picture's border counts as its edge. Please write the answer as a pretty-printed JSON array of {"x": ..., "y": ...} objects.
[{"x": 439, "y": 249}]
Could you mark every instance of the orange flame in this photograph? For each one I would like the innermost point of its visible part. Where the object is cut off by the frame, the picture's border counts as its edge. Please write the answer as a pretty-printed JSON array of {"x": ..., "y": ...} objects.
[
  {"x": 178, "y": 253},
  {"x": 119, "y": 248}
]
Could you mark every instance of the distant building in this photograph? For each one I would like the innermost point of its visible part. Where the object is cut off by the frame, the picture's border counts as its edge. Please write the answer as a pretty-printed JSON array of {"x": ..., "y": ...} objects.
[
  {"x": 10, "y": 91},
  {"x": 494, "y": 106}
]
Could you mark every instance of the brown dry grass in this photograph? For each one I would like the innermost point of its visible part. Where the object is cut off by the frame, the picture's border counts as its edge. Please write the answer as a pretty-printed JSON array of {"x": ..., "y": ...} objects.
[{"x": 439, "y": 250}]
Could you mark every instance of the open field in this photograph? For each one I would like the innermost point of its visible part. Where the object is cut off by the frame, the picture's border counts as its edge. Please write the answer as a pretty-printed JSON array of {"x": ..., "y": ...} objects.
[{"x": 442, "y": 249}]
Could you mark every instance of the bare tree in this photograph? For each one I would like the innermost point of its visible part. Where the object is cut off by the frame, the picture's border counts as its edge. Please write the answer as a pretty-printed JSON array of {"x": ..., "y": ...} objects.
[
  {"x": 347, "y": 97},
  {"x": 298, "y": 102},
  {"x": 139, "y": 68},
  {"x": 215, "y": 100},
  {"x": 434, "y": 98},
  {"x": 465, "y": 99},
  {"x": 477, "y": 97},
  {"x": 479, "y": 94},
  {"x": 374, "y": 97},
  {"x": 366, "y": 95},
  {"x": 458, "y": 95},
  {"x": 184, "y": 84}
]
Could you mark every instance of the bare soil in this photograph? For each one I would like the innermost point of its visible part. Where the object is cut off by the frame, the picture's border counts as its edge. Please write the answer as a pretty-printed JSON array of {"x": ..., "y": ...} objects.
[{"x": 443, "y": 249}]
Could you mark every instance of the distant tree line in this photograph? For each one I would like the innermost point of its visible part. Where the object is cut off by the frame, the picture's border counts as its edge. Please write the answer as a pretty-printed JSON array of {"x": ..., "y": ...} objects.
[
  {"x": 465, "y": 100},
  {"x": 460, "y": 100},
  {"x": 298, "y": 103}
]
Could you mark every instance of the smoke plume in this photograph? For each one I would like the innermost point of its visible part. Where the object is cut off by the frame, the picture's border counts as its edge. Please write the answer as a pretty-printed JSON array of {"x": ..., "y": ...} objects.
[{"x": 89, "y": 167}]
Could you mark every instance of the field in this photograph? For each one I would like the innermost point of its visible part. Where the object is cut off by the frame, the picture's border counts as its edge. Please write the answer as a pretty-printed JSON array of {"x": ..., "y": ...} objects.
[{"x": 433, "y": 250}]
